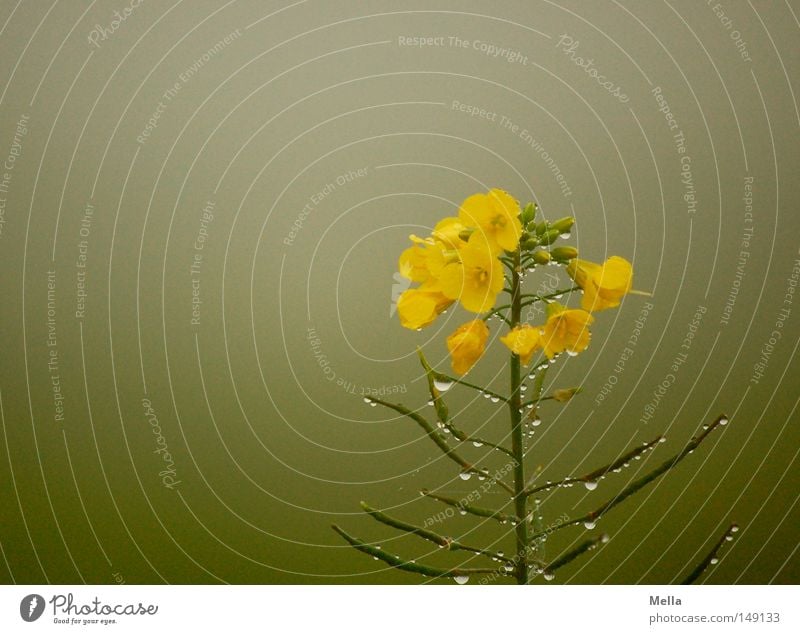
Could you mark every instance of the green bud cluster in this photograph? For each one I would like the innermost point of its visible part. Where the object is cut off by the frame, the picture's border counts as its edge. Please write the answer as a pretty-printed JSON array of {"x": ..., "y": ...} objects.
[{"x": 544, "y": 234}]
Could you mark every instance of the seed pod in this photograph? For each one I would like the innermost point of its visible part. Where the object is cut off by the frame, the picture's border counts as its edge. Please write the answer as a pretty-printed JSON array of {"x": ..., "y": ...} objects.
[
  {"x": 564, "y": 254},
  {"x": 541, "y": 257}
]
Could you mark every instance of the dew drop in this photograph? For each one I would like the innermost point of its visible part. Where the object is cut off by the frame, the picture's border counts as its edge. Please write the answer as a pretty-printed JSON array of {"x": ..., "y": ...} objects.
[
  {"x": 462, "y": 512},
  {"x": 500, "y": 553},
  {"x": 735, "y": 528},
  {"x": 508, "y": 568},
  {"x": 461, "y": 579},
  {"x": 485, "y": 395},
  {"x": 572, "y": 353},
  {"x": 723, "y": 420},
  {"x": 728, "y": 538},
  {"x": 464, "y": 475},
  {"x": 523, "y": 388},
  {"x": 373, "y": 404},
  {"x": 536, "y": 421},
  {"x": 589, "y": 524},
  {"x": 475, "y": 443},
  {"x": 591, "y": 485},
  {"x": 442, "y": 385},
  {"x": 604, "y": 538},
  {"x": 367, "y": 400},
  {"x": 714, "y": 561},
  {"x": 494, "y": 399},
  {"x": 662, "y": 439},
  {"x": 549, "y": 576},
  {"x": 430, "y": 403}
]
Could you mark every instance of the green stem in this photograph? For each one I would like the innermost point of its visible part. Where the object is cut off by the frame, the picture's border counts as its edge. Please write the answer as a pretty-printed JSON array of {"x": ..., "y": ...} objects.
[
  {"x": 711, "y": 556},
  {"x": 514, "y": 407}
]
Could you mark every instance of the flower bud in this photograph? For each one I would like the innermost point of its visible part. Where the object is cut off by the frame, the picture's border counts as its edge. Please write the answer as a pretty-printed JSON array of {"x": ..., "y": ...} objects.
[
  {"x": 528, "y": 213},
  {"x": 530, "y": 243},
  {"x": 464, "y": 234},
  {"x": 562, "y": 396},
  {"x": 563, "y": 225},
  {"x": 541, "y": 228},
  {"x": 564, "y": 254},
  {"x": 541, "y": 257},
  {"x": 549, "y": 236}
]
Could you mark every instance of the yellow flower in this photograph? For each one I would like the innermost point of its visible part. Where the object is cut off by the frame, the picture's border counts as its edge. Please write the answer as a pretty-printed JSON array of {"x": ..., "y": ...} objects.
[
  {"x": 447, "y": 232},
  {"x": 419, "y": 307},
  {"x": 466, "y": 345},
  {"x": 604, "y": 285},
  {"x": 496, "y": 215},
  {"x": 476, "y": 279},
  {"x": 523, "y": 341},
  {"x": 566, "y": 329},
  {"x": 423, "y": 261}
]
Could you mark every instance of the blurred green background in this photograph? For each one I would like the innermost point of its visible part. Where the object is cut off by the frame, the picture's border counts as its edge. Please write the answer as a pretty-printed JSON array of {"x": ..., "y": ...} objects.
[{"x": 267, "y": 161}]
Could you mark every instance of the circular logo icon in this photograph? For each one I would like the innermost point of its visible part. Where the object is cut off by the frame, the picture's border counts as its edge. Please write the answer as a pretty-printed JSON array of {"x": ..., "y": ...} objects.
[{"x": 31, "y": 607}]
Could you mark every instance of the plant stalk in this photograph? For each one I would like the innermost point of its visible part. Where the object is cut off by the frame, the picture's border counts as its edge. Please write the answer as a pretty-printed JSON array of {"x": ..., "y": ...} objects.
[{"x": 514, "y": 406}]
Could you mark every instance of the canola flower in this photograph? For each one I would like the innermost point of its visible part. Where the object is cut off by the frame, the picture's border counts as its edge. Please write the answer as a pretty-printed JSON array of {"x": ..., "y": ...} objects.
[
  {"x": 493, "y": 247},
  {"x": 465, "y": 258}
]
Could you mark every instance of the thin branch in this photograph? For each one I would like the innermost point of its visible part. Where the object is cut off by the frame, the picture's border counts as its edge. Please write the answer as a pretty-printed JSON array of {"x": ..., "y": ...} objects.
[
  {"x": 639, "y": 484},
  {"x": 410, "y": 566},
  {"x": 594, "y": 476},
  {"x": 712, "y": 557},
  {"x": 443, "y": 412},
  {"x": 452, "y": 379},
  {"x": 424, "y": 533},
  {"x": 501, "y": 517},
  {"x": 435, "y": 436},
  {"x": 570, "y": 556}
]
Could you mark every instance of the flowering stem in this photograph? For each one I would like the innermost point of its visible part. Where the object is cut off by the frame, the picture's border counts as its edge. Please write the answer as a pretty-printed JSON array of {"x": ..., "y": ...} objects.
[{"x": 514, "y": 408}]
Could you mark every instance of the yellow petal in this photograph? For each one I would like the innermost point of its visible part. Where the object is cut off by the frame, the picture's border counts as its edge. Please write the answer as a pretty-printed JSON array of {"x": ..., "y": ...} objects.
[{"x": 467, "y": 344}]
